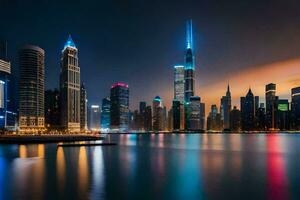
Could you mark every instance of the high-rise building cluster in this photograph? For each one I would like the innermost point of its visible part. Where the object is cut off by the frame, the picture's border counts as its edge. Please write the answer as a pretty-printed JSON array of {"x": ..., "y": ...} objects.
[
  {"x": 63, "y": 110},
  {"x": 66, "y": 110}
]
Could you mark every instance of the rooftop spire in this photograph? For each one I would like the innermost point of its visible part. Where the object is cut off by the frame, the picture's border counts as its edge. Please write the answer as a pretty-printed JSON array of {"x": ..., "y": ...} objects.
[
  {"x": 69, "y": 43},
  {"x": 189, "y": 34},
  {"x": 228, "y": 90}
]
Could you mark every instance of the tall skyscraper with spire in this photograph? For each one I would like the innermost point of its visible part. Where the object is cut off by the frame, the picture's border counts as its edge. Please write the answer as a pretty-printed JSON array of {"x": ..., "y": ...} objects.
[
  {"x": 189, "y": 68},
  {"x": 226, "y": 108},
  {"x": 70, "y": 87}
]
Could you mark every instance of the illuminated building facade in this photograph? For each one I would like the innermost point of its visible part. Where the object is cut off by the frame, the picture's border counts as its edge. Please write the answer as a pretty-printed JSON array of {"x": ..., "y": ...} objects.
[
  {"x": 225, "y": 109},
  {"x": 189, "y": 68},
  {"x": 179, "y": 83},
  {"x": 70, "y": 87},
  {"x": 83, "y": 108},
  {"x": 194, "y": 113},
  {"x": 119, "y": 110},
  {"x": 271, "y": 107},
  {"x": 158, "y": 114},
  {"x": 31, "y": 88},
  {"x": 7, "y": 114},
  {"x": 94, "y": 123},
  {"x": 214, "y": 119},
  {"x": 105, "y": 114}
]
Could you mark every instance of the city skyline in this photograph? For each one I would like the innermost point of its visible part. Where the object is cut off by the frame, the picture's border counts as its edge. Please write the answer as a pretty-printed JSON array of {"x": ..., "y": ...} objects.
[{"x": 223, "y": 54}]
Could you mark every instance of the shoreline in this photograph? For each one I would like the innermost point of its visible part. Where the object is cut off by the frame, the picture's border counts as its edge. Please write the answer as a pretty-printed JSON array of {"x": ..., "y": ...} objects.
[{"x": 37, "y": 139}]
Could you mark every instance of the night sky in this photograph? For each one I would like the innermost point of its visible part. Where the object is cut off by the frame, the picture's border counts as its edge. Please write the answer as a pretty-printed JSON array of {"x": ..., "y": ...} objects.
[{"x": 246, "y": 43}]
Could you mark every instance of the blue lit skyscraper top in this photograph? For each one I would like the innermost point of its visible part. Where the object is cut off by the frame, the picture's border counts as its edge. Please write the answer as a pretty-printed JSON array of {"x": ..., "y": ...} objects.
[
  {"x": 69, "y": 43},
  {"x": 189, "y": 66},
  {"x": 189, "y": 34}
]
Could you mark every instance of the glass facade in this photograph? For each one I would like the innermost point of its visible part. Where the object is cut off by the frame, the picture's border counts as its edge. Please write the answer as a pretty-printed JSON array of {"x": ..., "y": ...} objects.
[{"x": 119, "y": 110}]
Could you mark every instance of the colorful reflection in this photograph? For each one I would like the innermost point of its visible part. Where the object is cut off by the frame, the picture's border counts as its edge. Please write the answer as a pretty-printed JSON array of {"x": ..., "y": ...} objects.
[
  {"x": 277, "y": 183},
  {"x": 60, "y": 168},
  {"x": 83, "y": 171}
]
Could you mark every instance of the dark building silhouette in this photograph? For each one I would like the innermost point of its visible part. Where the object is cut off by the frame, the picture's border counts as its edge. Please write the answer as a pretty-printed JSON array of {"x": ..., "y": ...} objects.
[
  {"x": 248, "y": 112},
  {"x": 225, "y": 109},
  {"x": 202, "y": 116},
  {"x": 142, "y": 113},
  {"x": 105, "y": 114},
  {"x": 52, "y": 109},
  {"x": 119, "y": 110},
  {"x": 31, "y": 89},
  {"x": 83, "y": 108},
  {"x": 3, "y": 51},
  {"x": 260, "y": 117},
  {"x": 178, "y": 115},
  {"x": 235, "y": 119},
  {"x": 283, "y": 114},
  {"x": 271, "y": 106},
  {"x": 148, "y": 125},
  {"x": 295, "y": 108}
]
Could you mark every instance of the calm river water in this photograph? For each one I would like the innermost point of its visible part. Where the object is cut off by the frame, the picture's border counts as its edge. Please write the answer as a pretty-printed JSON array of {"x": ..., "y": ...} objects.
[{"x": 156, "y": 166}]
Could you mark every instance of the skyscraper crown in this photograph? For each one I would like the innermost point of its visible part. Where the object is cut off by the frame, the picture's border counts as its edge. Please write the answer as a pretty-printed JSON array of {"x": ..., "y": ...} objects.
[{"x": 69, "y": 43}]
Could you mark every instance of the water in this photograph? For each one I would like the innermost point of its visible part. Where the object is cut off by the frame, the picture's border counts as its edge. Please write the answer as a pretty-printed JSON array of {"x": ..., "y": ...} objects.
[{"x": 174, "y": 166}]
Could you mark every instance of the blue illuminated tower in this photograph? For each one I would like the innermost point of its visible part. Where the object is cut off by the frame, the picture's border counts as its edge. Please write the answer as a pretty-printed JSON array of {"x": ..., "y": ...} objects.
[
  {"x": 189, "y": 70},
  {"x": 70, "y": 87}
]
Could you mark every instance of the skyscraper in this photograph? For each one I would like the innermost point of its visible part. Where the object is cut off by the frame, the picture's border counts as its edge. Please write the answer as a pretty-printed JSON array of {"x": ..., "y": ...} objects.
[
  {"x": 271, "y": 106},
  {"x": 283, "y": 114},
  {"x": 70, "y": 87},
  {"x": 94, "y": 118},
  {"x": 235, "y": 119},
  {"x": 7, "y": 114},
  {"x": 83, "y": 108},
  {"x": 225, "y": 109},
  {"x": 202, "y": 116},
  {"x": 295, "y": 108},
  {"x": 119, "y": 110},
  {"x": 52, "y": 109},
  {"x": 158, "y": 114},
  {"x": 178, "y": 115},
  {"x": 248, "y": 112},
  {"x": 142, "y": 113},
  {"x": 179, "y": 83},
  {"x": 194, "y": 113},
  {"x": 189, "y": 68},
  {"x": 214, "y": 119},
  {"x": 31, "y": 88},
  {"x": 105, "y": 114},
  {"x": 148, "y": 118},
  {"x": 260, "y": 118}
]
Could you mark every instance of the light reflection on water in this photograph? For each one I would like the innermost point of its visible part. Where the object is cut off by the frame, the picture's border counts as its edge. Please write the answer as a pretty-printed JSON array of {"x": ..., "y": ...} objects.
[{"x": 155, "y": 166}]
